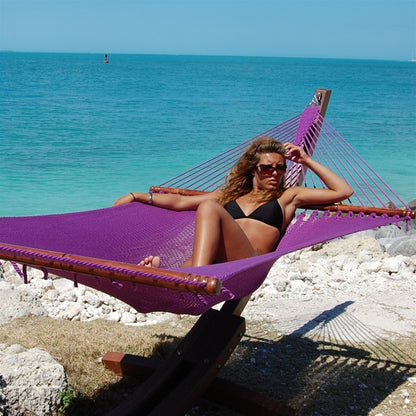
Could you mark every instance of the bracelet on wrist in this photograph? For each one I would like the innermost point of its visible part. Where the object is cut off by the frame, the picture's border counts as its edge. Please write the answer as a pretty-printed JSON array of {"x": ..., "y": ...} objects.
[
  {"x": 134, "y": 198},
  {"x": 150, "y": 201}
]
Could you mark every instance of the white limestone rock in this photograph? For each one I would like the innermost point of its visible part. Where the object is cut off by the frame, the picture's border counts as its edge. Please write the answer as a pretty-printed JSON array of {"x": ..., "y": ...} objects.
[{"x": 30, "y": 381}]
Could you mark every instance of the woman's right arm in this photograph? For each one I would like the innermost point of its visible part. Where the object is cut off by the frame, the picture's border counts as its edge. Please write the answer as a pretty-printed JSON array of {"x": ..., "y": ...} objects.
[{"x": 169, "y": 201}]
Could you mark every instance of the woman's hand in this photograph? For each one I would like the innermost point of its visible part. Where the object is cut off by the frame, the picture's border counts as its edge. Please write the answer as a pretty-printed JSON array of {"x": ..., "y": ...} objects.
[
  {"x": 125, "y": 199},
  {"x": 296, "y": 154},
  {"x": 337, "y": 189}
]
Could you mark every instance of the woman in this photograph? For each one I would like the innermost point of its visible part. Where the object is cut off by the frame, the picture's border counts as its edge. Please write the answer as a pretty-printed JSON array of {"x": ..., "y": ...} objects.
[{"x": 247, "y": 216}]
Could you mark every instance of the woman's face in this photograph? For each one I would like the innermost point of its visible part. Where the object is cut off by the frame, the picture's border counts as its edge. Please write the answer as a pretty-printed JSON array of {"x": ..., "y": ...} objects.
[{"x": 269, "y": 172}]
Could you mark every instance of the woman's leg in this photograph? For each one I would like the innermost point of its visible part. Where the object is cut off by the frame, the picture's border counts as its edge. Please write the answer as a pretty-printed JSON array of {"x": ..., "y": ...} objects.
[{"x": 218, "y": 238}]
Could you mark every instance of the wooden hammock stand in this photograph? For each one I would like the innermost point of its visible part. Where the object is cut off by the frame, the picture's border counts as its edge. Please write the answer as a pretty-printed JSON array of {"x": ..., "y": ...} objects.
[{"x": 171, "y": 387}]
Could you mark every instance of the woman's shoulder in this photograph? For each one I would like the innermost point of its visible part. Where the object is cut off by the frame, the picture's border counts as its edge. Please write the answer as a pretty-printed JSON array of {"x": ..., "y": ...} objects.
[
  {"x": 292, "y": 195},
  {"x": 289, "y": 193}
]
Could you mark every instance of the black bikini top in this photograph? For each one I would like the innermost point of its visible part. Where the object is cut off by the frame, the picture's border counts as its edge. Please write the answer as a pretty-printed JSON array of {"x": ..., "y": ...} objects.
[{"x": 270, "y": 213}]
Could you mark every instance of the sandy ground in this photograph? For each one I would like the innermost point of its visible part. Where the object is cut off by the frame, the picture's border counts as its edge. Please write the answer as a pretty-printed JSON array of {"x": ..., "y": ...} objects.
[{"x": 349, "y": 280}]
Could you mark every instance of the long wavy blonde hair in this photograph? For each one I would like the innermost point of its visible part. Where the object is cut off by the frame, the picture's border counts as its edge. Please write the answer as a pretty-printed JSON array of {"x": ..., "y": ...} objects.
[{"x": 240, "y": 179}]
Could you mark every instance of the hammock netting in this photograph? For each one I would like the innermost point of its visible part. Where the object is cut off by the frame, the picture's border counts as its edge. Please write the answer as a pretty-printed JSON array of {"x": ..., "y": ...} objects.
[{"x": 100, "y": 248}]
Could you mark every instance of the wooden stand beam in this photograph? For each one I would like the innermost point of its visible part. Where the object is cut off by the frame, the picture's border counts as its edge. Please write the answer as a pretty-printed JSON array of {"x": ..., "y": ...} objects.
[
  {"x": 176, "y": 384},
  {"x": 220, "y": 391},
  {"x": 172, "y": 387},
  {"x": 323, "y": 95}
]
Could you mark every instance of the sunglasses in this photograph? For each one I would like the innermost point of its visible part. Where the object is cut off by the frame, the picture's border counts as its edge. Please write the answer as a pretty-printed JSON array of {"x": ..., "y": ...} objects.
[{"x": 267, "y": 170}]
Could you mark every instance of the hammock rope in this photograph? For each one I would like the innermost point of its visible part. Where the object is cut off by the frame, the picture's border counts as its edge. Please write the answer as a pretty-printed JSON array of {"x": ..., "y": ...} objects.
[{"x": 370, "y": 188}]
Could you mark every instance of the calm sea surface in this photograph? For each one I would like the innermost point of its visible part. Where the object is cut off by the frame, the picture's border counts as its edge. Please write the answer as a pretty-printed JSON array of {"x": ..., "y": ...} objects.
[{"x": 77, "y": 133}]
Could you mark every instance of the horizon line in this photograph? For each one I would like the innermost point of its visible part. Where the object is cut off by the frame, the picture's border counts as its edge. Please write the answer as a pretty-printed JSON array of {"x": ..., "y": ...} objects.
[{"x": 207, "y": 55}]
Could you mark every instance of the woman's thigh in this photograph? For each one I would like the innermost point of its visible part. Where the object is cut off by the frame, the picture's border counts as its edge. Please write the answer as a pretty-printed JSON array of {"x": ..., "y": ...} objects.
[{"x": 233, "y": 244}]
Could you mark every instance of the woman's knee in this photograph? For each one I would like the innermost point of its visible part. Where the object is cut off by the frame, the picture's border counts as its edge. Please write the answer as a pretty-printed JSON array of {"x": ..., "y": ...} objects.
[{"x": 209, "y": 207}]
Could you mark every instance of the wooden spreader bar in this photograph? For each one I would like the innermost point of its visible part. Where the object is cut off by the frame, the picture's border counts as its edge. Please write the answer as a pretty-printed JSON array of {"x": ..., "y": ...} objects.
[
  {"x": 357, "y": 209},
  {"x": 177, "y": 191},
  {"x": 113, "y": 270}
]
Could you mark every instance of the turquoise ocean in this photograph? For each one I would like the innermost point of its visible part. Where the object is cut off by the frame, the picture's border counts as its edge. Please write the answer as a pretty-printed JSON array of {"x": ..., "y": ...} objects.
[{"x": 76, "y": 133}]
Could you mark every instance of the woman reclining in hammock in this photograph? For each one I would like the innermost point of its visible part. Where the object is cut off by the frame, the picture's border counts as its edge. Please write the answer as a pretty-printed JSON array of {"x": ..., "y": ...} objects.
[{"x": 247, "y": 216}]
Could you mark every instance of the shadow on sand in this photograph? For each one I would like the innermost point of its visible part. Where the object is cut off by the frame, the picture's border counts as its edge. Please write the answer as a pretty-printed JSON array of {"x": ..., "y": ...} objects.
[{"x": 333, "y": 365}]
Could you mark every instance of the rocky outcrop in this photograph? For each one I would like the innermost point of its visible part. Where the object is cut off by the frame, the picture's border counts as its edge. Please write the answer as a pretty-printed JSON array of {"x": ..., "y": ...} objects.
[{"x": 30, "y": 381}]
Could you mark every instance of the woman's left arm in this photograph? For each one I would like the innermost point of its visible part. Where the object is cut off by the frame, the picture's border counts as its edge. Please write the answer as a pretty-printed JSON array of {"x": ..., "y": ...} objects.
[{"x": 337, "y": 189}]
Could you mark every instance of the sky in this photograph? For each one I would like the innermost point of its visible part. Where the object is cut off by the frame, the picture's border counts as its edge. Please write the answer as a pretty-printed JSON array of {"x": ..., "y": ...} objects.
[{"x": 352, "y": 29}]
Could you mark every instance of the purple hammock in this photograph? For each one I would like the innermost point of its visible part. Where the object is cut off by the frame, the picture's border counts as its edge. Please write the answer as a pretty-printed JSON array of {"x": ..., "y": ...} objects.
[{"x": 101, "y": 248}]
